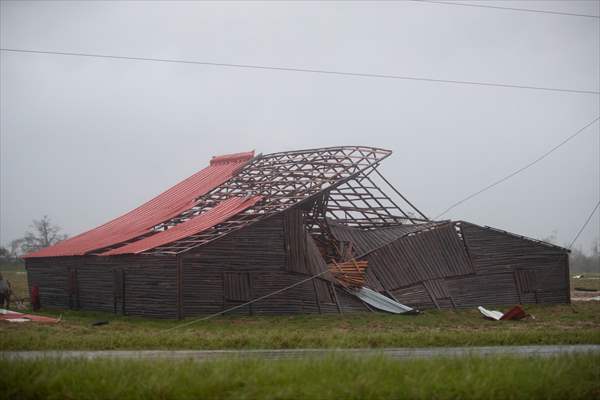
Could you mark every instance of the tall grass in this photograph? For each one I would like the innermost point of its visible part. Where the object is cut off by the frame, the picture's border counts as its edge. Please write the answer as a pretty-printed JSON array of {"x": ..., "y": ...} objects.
[{"x": 565, "y": 377}]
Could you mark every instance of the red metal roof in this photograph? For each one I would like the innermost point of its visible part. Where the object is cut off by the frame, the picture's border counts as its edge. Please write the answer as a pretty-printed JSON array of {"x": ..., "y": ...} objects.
[
  {"x": 222, "y": 212},
  {"x": 140, "y": 220}
]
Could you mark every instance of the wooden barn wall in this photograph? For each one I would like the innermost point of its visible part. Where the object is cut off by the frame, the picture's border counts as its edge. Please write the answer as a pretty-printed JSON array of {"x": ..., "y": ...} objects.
[
  {"x": 428, "y": 255},
  {"x": 473, "y": 266},
  {"x": 302, "y": 252},
  {"x": 366, "y": 241},
  {"x": 253, "y": 262},
  {"x": 256, "y": 250},
  {"x": 539, "y": 273},
  {"x": 133, "y": 285},
  {"x": 53, "y": 278},
  {"x": 250, "y": 263}
]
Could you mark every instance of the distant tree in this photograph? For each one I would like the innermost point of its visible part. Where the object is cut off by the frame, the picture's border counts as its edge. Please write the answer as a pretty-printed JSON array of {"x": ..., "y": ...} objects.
[
  {"x": 43, "y": 234},
  {"x": 4, "y": 254},
  {"x": 14, "y": 248},
  {"x": 579, "y": 261}
]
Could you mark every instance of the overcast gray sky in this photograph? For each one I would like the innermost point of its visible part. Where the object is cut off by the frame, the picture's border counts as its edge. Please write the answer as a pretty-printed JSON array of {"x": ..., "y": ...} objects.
[{"x": 84, "y": 140}]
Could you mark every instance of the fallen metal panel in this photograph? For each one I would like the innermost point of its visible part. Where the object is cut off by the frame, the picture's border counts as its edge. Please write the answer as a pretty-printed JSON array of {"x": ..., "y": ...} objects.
[
  {"x": 492, "y": 314},
  {"x": 380, "y": 301}
]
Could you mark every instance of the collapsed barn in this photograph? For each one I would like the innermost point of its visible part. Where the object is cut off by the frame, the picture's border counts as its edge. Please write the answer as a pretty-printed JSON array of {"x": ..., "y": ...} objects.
[{"x": 291, "y": 232}]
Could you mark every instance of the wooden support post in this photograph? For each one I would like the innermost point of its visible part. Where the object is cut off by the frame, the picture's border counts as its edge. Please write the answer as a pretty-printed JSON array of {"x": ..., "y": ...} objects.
[{"x": 337, "y": 302}]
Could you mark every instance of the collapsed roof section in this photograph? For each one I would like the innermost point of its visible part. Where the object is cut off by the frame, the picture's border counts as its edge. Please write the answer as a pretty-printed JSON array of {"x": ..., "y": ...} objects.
[{"x": 328, "y": 184}]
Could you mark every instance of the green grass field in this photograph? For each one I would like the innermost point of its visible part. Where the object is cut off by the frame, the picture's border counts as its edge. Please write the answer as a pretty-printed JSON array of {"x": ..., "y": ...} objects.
[
  {"x": 575, "y": 377},
  {"x": 564, "y": 377},
  {"x": 558, "y": 324}
]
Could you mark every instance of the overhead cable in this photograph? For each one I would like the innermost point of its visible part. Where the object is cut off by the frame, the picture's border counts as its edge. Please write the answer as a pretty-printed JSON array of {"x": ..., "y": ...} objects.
[
  {"x": 523, "y": 168},
  {"x": 306, "y": 70},
  {"x": 451, "y": 3},
  {"x": 587, "y": 221}
]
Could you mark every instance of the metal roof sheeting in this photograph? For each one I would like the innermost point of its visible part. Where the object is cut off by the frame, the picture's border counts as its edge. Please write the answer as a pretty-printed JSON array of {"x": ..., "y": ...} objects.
[
  {"x": 142, "y": 219},
  {"x": 223, "y": 211}
]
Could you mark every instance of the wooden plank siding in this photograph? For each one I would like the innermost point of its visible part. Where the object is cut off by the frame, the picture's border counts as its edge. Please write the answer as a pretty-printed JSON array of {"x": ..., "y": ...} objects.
[
  {"x": 465, "y": 265},
  {"x": 271, "y": 254},
  {"x": 427, "y": 255},
  {"x": 445, "y": 265},
  {"x": 144, "y": 285}
]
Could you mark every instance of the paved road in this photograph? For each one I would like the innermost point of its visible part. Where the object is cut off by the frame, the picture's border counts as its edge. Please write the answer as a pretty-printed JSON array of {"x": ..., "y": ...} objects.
[{"x": 398, "y": 353}]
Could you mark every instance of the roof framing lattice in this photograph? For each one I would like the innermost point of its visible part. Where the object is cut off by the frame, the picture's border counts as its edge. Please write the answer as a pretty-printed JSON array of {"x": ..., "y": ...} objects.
[{"x": 282, "y": 180}]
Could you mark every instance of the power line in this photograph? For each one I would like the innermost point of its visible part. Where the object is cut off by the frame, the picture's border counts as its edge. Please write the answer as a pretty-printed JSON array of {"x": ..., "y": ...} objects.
[
  {"x": 450, "y": 3},
  {"x": 540, "y": 158},
  {"x": 309, "y": 70},
  {"x": 248, "y": 302},
  {"x": 587, "y": 221}
]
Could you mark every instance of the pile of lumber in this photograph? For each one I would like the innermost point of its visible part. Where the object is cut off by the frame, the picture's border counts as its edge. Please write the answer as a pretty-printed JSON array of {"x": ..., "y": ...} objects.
[{"x": 349, "y": 273}]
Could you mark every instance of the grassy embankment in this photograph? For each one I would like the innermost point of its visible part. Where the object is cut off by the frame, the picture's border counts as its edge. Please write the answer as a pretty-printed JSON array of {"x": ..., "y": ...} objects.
[{"x": 565, "y": 377}]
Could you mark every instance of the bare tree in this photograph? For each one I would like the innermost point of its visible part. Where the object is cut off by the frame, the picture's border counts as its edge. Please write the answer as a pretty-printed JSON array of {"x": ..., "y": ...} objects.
[{"x": 44, "y": 234}]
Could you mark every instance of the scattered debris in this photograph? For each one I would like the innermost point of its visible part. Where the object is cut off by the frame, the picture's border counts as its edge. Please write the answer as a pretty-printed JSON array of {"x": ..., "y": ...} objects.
[
  {"x": 495, "y": 315},
  {"x": 350, "y": 273},
  {"x": 515, "y": 313},
  {"x": 577, "y": 276},
  {"x": 13, "y": 316}
]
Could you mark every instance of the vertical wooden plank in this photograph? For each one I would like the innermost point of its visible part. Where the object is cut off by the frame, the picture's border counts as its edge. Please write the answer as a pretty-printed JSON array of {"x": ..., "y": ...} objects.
[
  {"x": 123, "y": 291},
  {"x": 116, "y": 288},
  {"x": 250, "y": 292},
  {"x": 179, "y": 286},
  {"x": 431, "y": 296},
  {"x": 517, "y": 286},
  {"x": 567, "y": 278},
  {"x": 314, "y": 284},
  {"x": 337, "y": 302}
]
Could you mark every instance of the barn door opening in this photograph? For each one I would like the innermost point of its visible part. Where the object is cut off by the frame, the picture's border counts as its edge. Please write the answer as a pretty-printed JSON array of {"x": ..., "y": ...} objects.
[{"x": 237, "y": 290}]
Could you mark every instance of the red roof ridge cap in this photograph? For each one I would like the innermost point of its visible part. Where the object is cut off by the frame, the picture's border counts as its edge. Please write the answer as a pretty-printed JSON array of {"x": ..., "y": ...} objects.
[{"x": 231, "y": 158}]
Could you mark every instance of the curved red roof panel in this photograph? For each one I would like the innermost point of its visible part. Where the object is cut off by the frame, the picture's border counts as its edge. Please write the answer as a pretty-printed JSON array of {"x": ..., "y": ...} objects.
[
  {"x": 140, "y": 220},
  {"x": 222, "y": 212}
]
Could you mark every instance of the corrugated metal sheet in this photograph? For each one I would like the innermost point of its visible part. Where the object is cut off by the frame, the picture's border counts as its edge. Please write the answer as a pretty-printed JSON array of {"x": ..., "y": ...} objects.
[
  {"x": 222, "y": 212},
  {"x": 164, "y": 206}
]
